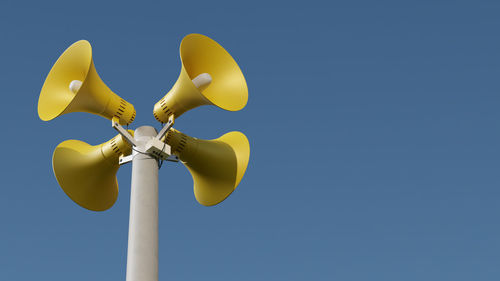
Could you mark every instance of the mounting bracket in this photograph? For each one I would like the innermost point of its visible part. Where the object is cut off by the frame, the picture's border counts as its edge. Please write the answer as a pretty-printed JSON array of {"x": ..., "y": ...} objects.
[
  {"x": 154, "y": 146},
  {"x": 130, "y": 139}
]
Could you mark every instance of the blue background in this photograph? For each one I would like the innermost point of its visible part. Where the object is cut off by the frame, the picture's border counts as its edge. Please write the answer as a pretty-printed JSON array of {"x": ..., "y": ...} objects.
[{"x": 374, "y": 128}]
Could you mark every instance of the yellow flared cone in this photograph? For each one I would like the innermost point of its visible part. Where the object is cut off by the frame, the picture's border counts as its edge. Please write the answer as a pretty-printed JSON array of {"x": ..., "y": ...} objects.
[
  {"x": 200, "y": 54},
  {"x": 93, "y": 96},
  {"x": 87, "y": 173},
  {"x": 217, "y": 166}
]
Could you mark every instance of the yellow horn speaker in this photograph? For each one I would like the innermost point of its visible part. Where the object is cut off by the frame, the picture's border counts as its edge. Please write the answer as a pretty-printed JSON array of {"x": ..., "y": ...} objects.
[
  {"x": 87, "y": 173},
  {"x": 221, "y": 81},
  {"x": 217, "y": 166},
  {"x": 73, "y": 85}
]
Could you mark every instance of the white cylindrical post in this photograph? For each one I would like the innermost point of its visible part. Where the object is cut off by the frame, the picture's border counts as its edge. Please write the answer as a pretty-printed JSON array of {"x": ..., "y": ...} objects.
[{"x": 142, "y": 253}]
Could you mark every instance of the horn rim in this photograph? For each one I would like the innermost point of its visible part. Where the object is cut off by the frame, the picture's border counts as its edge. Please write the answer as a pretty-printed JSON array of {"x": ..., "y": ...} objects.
[
  {"x": 236, "y": 139},
  {"x": 48, "y": 106},
  {"x": 215, "y": 99}
]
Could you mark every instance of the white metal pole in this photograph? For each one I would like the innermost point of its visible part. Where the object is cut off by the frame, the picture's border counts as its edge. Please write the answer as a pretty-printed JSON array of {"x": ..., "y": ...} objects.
[{"x": 142, "y": 253}]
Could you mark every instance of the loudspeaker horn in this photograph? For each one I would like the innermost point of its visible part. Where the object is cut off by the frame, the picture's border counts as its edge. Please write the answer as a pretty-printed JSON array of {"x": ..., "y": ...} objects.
[
  {"x": 204, "y": 59},
  {"x": 73, "y": 85},
  {"x": 217, "y": 166},
  {"x": 87, "y": 173}
]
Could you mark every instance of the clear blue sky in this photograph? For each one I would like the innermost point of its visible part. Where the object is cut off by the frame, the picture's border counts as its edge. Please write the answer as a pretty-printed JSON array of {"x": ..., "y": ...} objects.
[{"x": 374, "y": 128}]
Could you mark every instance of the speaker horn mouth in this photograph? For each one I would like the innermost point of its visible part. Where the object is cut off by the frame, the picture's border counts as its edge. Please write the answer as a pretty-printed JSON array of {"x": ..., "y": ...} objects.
[
  {"x": 200, "y": 54},
  {"x": 73, "y": 64},
  {"x": 87, "y": 174},
  {"x": 216, "y": 166}
]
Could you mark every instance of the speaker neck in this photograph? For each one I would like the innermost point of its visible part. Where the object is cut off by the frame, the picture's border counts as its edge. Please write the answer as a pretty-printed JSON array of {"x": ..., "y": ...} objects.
[
  {"x": 180, "y": 144},
  {"x": 114, "y": 148}
]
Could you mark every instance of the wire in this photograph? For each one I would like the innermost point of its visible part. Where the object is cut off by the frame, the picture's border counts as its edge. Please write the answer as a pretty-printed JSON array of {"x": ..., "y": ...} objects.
[
  {"x": 158, "y": 159},
  {"x": 140, "y": 151}
]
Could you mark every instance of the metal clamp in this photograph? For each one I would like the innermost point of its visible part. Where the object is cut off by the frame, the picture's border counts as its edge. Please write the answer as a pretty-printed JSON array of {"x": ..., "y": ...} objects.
[
  {"x": 125, "y": 159},
  {"x": 165, "y": 128},
  {"x": 130, "y": 139}
]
